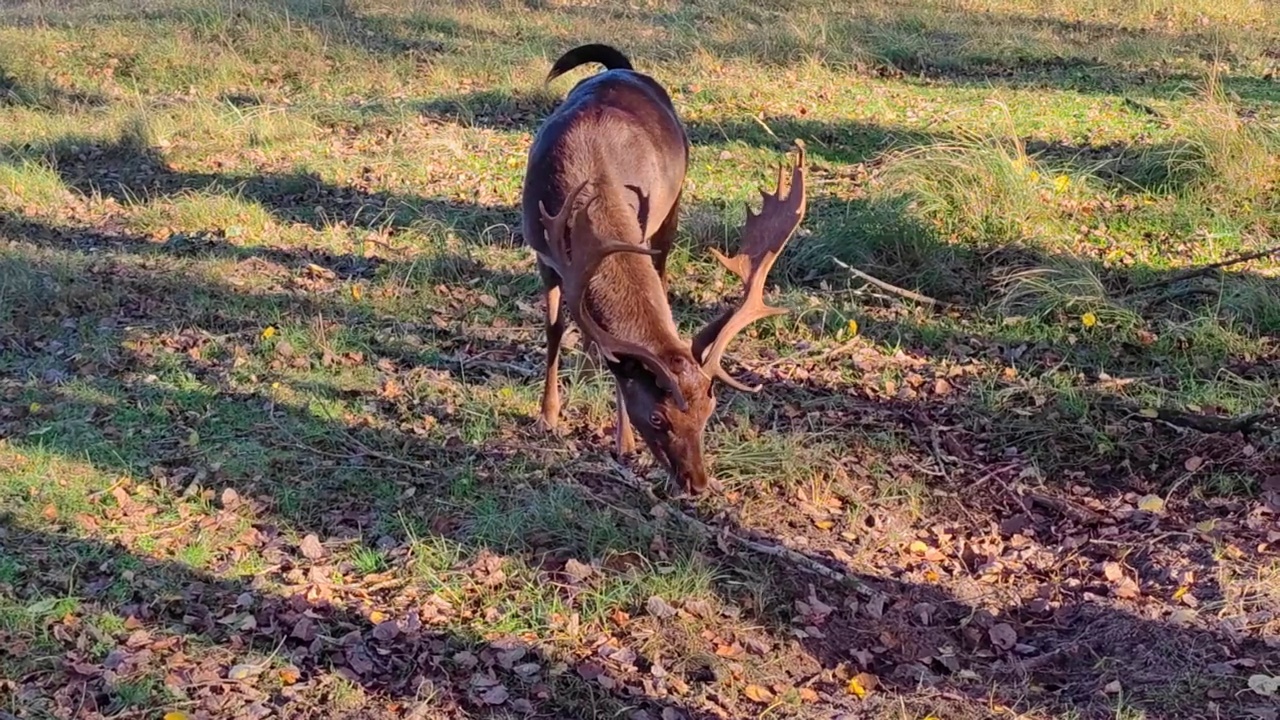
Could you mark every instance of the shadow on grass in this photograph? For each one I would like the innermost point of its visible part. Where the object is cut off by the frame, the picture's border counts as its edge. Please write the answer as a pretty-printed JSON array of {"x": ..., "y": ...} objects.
[
  {"x": 130, "y": 170},
  {"x": 45, "y": 96},
  {"x": 116, "y": 401}
]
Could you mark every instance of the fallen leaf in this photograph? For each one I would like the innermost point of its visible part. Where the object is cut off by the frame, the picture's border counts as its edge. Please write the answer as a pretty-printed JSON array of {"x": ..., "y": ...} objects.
[
  {"x": 1264, "y": 685},
  {"x": 758, "y": 693},
  {"x": 1193, "y": 463},
  {"x": 1112, "y": 687},
  {"x": 1151, "y": 503},
  {"x": 659, "y": 608},
  {"x": 242, "y": 671},
  {"x": 230, "y": 498},
  {"x": 577, "y": 571},
  {"x": 50, "y": 512},
  {"x": 1003, "y": 635},
  {"x": 289, "y": 675},
  {"x": 176, "y": 715},
  {"x": 861, "y": 684},
  {"x": 495, "y": 695},
  {"x": 311, "y": 547},
  {"x": 917, "y": 548},
  {"x": 1112, "y": 571}
]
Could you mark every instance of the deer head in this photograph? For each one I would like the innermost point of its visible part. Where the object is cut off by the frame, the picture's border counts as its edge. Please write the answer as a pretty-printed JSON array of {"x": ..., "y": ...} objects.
[{"x": 669, "y": 391}]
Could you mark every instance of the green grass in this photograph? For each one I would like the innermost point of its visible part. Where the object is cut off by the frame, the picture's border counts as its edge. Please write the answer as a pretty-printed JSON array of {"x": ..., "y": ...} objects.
[{"x": 257, "y": 282}]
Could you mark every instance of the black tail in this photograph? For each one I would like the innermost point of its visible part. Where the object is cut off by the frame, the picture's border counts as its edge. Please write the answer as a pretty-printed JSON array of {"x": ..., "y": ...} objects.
[{"x": 606, "y": 55}]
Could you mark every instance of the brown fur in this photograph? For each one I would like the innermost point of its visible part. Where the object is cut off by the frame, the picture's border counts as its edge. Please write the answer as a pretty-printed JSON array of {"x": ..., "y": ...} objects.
[{"x": 618, "y": 133}]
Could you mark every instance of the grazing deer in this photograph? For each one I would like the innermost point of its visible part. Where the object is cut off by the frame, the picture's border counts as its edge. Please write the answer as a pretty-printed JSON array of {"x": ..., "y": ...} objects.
[{"x": 604, "y": 254}]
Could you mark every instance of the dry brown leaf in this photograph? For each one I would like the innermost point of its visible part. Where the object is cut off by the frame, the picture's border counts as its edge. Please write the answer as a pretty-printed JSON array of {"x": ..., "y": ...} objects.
[
  {"x": 1003, "y": 635},
  {"x": 495, "y": 695},
  {"x": 659, "y": 608},
  {"x": 311, "y": 547}
]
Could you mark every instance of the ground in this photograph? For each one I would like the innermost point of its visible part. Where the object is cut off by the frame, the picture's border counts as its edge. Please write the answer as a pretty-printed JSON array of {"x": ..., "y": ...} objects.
[{"x": 271, "y": 356}]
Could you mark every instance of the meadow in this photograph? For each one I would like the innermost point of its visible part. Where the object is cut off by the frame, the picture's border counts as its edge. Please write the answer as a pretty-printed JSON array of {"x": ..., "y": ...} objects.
[{"x": 271, "y": 357}]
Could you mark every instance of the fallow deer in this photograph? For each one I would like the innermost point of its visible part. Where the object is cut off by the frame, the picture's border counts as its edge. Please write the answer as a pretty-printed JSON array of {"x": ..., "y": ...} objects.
[{"x": 604, "y": 257}]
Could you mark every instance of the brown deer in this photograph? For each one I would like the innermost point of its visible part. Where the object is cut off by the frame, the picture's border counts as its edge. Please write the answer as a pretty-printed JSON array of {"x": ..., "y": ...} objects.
[{"x": 603, "y": 255}]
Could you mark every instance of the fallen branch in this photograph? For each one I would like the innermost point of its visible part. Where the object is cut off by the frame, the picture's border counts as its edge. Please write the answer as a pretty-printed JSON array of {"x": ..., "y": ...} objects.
[
  {"x": 1208, "y": 424},
  {"x": 911, "y": 295},
  {"x": 464, "y": 363},
  {"x": 1212, "y": 424},
  {"x": 1206, "y": 269},
  {"x": 804, "y": 562}
]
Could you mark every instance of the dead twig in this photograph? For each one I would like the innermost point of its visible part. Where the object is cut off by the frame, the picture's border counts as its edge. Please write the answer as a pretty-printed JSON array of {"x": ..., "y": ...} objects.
[
  {"x": 464, "y": 363},
  {"x": 1072, "y": 510},
  {"x": 909, "y": 294},
  {"x": 802, "y": 561},
  {"x": 1208, "y": 424},
  {"x": 1206, "y": 269}
]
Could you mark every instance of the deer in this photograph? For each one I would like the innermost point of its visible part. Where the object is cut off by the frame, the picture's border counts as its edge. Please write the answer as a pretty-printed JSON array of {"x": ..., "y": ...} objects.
[{"x": 610, "y": 160}]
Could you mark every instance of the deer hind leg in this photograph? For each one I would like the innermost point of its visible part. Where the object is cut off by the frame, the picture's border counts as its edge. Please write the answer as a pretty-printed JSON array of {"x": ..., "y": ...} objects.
[
  {"x": 555, "y": 333},
  {"x": 624, "y": 439}
]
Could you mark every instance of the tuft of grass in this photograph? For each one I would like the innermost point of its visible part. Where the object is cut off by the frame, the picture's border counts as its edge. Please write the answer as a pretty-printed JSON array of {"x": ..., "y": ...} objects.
[
  {"x": 1069, "y": 291},
  {"x": 1218, "y": 154},
  {"x": 367, "y": 560}
]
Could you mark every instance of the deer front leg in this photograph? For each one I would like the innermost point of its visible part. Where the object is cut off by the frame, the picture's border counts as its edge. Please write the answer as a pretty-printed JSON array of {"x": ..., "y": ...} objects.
[
  {"x": 551, "y": 381},
  {"x": 624, "y": 439}
]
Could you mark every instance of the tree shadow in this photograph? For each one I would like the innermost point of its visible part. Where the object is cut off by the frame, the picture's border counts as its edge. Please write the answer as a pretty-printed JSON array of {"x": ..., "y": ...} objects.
[
  {"x": 45, "y": 96},
  {"x": 129, "y": 169},
  {"x": 907, "y": 631}
]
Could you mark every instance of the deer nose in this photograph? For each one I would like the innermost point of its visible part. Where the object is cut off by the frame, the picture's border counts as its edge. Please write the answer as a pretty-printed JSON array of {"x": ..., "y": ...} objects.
[{"x": 695, "y": 482}]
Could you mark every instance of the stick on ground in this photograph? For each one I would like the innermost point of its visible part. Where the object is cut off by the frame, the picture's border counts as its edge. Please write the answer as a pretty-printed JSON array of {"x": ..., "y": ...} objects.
[{"x": 909, "y": 294}]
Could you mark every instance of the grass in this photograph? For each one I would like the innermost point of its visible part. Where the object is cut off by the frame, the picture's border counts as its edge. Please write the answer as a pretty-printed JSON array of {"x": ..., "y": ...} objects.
[{"x": 259, "y": 282}]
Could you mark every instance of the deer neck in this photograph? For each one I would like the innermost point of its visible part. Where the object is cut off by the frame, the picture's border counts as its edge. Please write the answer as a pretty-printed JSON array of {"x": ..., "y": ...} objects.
[{"x": 628, "y": 300}]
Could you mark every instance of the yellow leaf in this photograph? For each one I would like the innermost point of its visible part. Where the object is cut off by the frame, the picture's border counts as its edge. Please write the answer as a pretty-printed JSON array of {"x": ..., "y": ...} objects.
[
  {"x": 268, "y": 332},
  {"x": 931, "y": 576},
  {"x": 377, "y": 616},
  {"x": 1035, "y": 176},
  {"x": 1177, "y": 594},
  {"x": 289, "y": 675},
  {"x": 918, "y": 548},
  {"x": 1088, "y": 319},
  {"x": 1061, "y": 183},
  {"x": 853, "y": 328},
  {"x": 1151, "y": 504},
  {"x": 824, "y": 524},
  {"x": 34, "y": 408},
  {"x": 356, "y": 292},
  {"x": 856, "y": 688},
  {"x": 758, "y": 693},
  {"x": 176, "y": 715}
]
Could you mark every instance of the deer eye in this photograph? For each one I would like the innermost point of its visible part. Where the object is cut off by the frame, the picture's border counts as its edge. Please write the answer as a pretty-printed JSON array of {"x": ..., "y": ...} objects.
[{"x": 657, "y": 421}]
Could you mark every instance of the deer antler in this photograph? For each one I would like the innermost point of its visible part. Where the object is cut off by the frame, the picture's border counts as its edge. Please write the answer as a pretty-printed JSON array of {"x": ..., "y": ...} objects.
[
  {"x": 764, "y": 235},
  {"x": 575, "y": 275}
]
